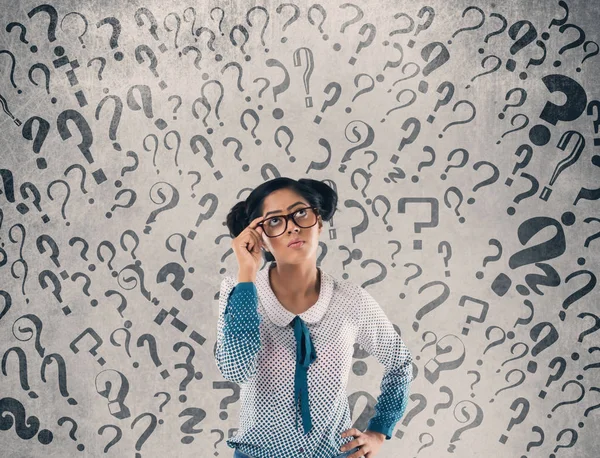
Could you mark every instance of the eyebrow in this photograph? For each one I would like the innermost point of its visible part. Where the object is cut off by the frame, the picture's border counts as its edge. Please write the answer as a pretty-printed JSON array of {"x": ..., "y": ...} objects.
[{"x": 289, "y": 208}]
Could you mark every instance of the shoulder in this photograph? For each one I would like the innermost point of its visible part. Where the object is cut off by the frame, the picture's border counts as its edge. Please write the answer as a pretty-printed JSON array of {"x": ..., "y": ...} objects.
[
  {"x": 344, "y": 290},
  {"x": 359, "y": 296}
]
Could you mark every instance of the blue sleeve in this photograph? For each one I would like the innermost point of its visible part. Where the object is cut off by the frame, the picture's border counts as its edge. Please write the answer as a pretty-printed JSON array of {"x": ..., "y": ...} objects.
[
  {"x": 238, "y": 331},
  {"x": 377, "y": 336}
]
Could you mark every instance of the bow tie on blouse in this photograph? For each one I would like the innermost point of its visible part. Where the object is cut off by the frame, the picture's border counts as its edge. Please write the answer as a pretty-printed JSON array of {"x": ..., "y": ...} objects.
[{"x": 305, "y": 355}]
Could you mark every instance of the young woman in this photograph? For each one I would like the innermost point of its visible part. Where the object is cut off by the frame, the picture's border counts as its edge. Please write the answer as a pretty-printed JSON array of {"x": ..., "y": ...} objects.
[{"x": 286, "y": 333}]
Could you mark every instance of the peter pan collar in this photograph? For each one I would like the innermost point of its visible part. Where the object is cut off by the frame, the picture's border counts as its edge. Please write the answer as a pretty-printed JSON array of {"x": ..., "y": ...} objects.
[{"x": 282, "y": 317}]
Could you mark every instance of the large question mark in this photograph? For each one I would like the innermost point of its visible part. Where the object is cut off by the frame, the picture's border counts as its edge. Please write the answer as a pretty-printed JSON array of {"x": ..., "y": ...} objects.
[
  {"x": 571, "y": 110},
  {"x": 549, "y": 249}
]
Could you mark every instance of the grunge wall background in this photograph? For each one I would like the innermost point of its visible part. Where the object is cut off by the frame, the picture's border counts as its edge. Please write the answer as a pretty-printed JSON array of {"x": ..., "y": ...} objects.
[{"x": 462, "y": 139}]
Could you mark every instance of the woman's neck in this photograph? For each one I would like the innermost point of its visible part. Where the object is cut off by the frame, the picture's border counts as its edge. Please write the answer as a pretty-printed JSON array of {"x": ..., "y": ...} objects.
[{"x": 295, "y": 282}]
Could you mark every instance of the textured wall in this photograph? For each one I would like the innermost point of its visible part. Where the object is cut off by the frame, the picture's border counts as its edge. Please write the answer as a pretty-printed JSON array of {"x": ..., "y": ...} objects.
[{"x": 462, "y": 139}]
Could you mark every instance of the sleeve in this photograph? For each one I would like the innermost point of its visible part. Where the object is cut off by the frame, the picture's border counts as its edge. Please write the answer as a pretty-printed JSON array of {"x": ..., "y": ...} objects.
[
  {"x": 377, "y": 336},
  {"x": 238, "y": 330}
]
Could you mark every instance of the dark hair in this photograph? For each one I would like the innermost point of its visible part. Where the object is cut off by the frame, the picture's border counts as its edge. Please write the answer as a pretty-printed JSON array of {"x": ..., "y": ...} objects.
[{"x": 317, "y": 193}]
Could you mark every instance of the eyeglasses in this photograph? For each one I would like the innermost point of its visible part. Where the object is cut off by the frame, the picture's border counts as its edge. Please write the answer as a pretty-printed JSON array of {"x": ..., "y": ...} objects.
[{"x": 274, "y": 226}]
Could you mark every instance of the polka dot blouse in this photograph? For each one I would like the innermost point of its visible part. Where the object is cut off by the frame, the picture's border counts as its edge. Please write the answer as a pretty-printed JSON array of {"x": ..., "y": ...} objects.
[{"x": 260, "y": 345}]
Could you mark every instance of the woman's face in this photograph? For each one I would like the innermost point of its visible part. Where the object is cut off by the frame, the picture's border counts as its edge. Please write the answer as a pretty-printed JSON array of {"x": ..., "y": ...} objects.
[{"x": 282, "y": 202}]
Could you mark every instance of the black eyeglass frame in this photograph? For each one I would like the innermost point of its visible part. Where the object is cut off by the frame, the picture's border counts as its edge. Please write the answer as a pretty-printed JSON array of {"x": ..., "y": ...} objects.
[{"x": 287, "y": 218}]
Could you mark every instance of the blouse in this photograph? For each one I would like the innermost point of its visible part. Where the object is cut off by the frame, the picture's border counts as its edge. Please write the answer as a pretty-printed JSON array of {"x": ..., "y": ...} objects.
[{"x": 290, "y": 366}]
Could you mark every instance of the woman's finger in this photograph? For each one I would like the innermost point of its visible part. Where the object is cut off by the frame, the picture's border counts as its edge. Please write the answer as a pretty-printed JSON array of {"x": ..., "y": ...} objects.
[{"x": 254, "y": 243}]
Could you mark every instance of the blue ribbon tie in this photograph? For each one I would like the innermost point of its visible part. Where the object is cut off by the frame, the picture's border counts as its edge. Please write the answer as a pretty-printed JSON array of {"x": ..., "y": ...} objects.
[{"x": 305, "y": 355}]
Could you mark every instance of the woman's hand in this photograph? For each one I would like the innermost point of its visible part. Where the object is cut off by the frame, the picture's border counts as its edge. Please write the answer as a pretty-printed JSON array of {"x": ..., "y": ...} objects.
[
  {"x": 247, "y": 247},
  {"x": 369, "y": 442}
]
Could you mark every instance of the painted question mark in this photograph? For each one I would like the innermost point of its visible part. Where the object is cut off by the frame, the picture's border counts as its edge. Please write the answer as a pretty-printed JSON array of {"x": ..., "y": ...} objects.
[
  {"x": 171, "y": 204},
  {"x": 587, "y": 56},
  {"x": 40, "y": 137},
  {"x": 579, "y": 293},
  {"x": 471, "y": 318},
  {"x": 177, "y": 271},
  {"x": 450, "y": 354},
  {"x": 445, "y": 246},
  {"x": 549, "y": 249},
  {"x": 525, "y": 151},
  {"x": 475, "y": 27},
  {"x": 398, "y": 249},
  {"x": 114, "y": 37},
  {"x": 543, "y": 343},
  {"x": 562, "y": 367},
  {"x": 22, "y": 35},
  {"x": 147, "y": 432},
  {"x": 492, "y": 242},
  {"x": 234, "y": 397},
  {"x": 487, "y": 182},
  {"x": 444, "y": 86},
  {"x": 512, "y": 123},
  {"x": 146, "y": 96},
  {"x": 310, "y": 66},
  {"x": 578, "y": 143},
  {"x": 424, "y": 164},
  {"x": 102, "y": 61},
  {"x": 85, "y": 22},
  {"x": 464, "y": 121},
  {"x": 526, "y": 39},
  {"x": 372, "y": 32},
  {"x": 129, "y": 168},
  {"x": 365, "y": 90},
  {"x": 477, "y": 380},
  {"x": 198, "y": 179},
  {"x": 477, "y": 420},
  {"x": 420, "y": 404},
  {"x": 24, "y": 333},
  {"x": 522, "y": 355},
  {"x": 139, "y": 272},
  {"x": 128, "y": 204},
  {"x": 461, "y": 163},
  {"x": 167, "y": 399},
  {"x": 573, "y": 434},
  {"x": 178, "y": 98},
  {"x": 551, "y": 113},
  {"x": 335, "y": 89},
  {"x": 483, "y": 64},
  {"x": 434, "y": 218},
  {"x": 87, "y": 137},
  {"x": 574, "y": 44},
  {"x": 523, "y": 404},
  {"x": 25, "y": 427},
  {"x": 522, "y": 98},
  {"x": 22, "y": 361},
  {"x": 115, "y": 120},
  {"x": 110, "y": 379},
  {"x": 292, "y": 18},
  {"x": 63, "y": 420},
  {"x": 574, "y": 401}
]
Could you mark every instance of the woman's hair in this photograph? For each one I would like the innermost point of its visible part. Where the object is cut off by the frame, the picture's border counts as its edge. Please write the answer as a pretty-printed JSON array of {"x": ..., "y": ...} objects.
[{"x": 317, "y": 193}]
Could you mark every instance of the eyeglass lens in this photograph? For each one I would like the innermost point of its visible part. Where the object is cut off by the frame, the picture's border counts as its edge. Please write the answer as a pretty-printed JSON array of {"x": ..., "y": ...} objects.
[{"x": 276, "y": 225}]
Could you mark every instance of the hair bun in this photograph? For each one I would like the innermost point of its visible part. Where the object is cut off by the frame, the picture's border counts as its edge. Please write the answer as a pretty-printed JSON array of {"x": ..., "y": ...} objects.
[{"x": 237, "y": 219}]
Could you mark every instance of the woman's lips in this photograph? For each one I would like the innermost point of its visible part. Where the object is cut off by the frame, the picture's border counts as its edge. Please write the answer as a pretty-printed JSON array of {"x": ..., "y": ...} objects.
[{"x": 296, "y": 245}]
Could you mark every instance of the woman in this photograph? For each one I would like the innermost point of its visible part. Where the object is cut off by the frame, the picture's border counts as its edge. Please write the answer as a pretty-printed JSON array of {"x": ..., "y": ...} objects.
[{"x": 286, "y": 333}]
